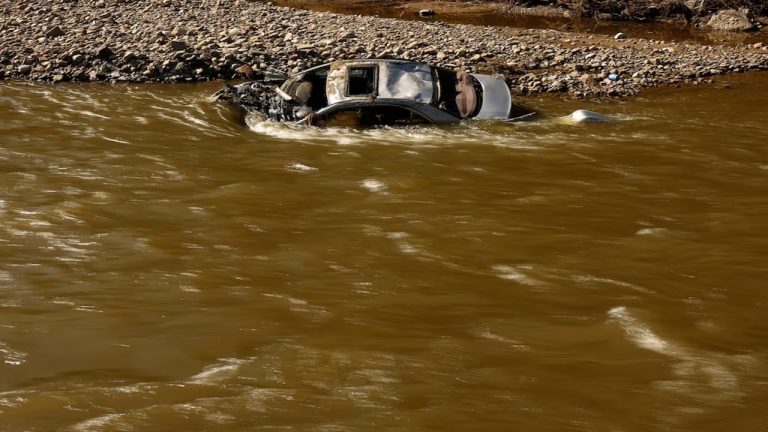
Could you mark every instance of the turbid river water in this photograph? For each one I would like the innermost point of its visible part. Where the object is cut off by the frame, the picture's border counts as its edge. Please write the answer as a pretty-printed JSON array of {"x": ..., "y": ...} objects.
[{"x": 165, "y": 268}]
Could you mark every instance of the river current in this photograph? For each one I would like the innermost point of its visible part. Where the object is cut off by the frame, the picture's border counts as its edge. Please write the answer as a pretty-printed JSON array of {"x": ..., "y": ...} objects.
[{"x": 163, "y": 267}]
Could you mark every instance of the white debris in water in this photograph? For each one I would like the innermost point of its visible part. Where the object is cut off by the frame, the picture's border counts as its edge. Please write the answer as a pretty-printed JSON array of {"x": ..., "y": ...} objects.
[
  {"x": 373, "y": 185},
  {"x": 586, "y": 116},
  {"x": 300, "y": 167}
]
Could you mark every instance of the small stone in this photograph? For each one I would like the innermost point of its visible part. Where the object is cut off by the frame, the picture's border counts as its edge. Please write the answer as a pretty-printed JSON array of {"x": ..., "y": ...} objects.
[
  {"x": 25, "y": 69},
  {"x": 105, "y": 53},
  {"x": 178, "y": 31},
  {"x": 245, "y": 70},
  {"x": 620, "y": 36},
  {"x": 54, "y": 32},
  {"x": 426, "y": 13},
  {"x": 59, "y": 78},
  {"x": 178, "y": 45},
  {"x": 78, "y": 58}
]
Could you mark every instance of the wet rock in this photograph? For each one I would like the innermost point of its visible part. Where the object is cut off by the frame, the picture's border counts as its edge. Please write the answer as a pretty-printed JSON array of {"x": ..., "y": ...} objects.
[
  {"x": 426, "y": 13},
  {"x": 25, "y": 69},
  {"x": 620, "y": 36},
  {"x": 731, "y": 20}
]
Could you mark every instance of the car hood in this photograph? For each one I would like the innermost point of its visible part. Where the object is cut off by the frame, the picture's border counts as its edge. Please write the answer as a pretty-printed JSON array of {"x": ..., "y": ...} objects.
[{"x": 497, "y": 99}]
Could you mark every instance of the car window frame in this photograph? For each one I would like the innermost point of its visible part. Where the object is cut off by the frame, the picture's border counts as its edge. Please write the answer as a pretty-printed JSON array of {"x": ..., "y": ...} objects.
[
  {"x": 324, "y": 113},
  {"x": 349, "y": 68}
]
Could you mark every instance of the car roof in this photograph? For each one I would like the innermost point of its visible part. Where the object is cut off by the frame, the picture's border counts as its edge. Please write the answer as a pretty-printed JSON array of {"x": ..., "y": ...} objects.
[{"x": 391, "y": 79}]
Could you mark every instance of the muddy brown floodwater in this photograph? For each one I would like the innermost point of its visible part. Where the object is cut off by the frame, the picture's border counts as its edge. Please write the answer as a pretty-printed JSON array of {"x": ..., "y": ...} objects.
[{"x": 165, "y": 268}]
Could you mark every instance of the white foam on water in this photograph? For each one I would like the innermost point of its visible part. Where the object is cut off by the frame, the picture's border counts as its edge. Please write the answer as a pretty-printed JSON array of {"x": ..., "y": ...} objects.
[
  {"x": 641, "y": 335},
  {"x": 96, "y": 423},
  {"x": 5, "y": 276},
  {"x": 11, "y": 356},
  {"x": 516, "y": 274},
  {"x": 701, "y": 375},
  {"x": 652, "y": 231},
  {"x": 590, "y": 278},
  {"x": 373, "y": 185},
  {"x": 513, "y": 343},
  {"x": 296, "y": 166},
  {"x": 228, "y": 368},
  {"x": 404, "y": 245},
  {"x": 117, "y": 140},
  {"x": 412, "y": 136}
]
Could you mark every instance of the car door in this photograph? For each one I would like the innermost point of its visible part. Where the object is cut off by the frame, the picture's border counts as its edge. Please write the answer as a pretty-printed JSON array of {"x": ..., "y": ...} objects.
[{"x": 371, "y": 115}]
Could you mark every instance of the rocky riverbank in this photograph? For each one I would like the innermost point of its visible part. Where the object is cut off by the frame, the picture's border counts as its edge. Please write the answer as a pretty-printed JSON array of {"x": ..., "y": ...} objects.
[{"x": 188, "y": 40}]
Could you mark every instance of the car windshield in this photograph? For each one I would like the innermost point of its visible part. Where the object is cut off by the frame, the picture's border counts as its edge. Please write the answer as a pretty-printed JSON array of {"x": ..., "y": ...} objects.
[{"x": 308, "y": 88}]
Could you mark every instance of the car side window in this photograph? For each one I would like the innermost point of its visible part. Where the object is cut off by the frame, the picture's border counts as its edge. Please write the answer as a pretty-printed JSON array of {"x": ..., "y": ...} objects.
[
  {"x": 361, "y": 80},
  {"x": 392, "y": 116}
]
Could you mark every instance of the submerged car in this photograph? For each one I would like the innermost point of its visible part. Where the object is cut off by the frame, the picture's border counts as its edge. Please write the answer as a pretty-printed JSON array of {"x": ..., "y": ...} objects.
[{"x": 374, "y": 92}]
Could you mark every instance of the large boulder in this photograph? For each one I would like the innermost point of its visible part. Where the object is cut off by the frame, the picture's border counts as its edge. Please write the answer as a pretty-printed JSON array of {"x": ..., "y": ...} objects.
[{"x": 730, "y": 20}]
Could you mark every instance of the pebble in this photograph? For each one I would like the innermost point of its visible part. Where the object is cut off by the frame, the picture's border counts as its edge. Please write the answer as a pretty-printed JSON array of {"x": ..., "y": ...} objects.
[{"x": 182, "y": 41}]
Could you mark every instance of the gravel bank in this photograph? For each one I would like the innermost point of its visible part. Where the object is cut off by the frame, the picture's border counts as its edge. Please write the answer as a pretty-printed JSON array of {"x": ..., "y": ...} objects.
[{"x": 196, "y": 40}]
